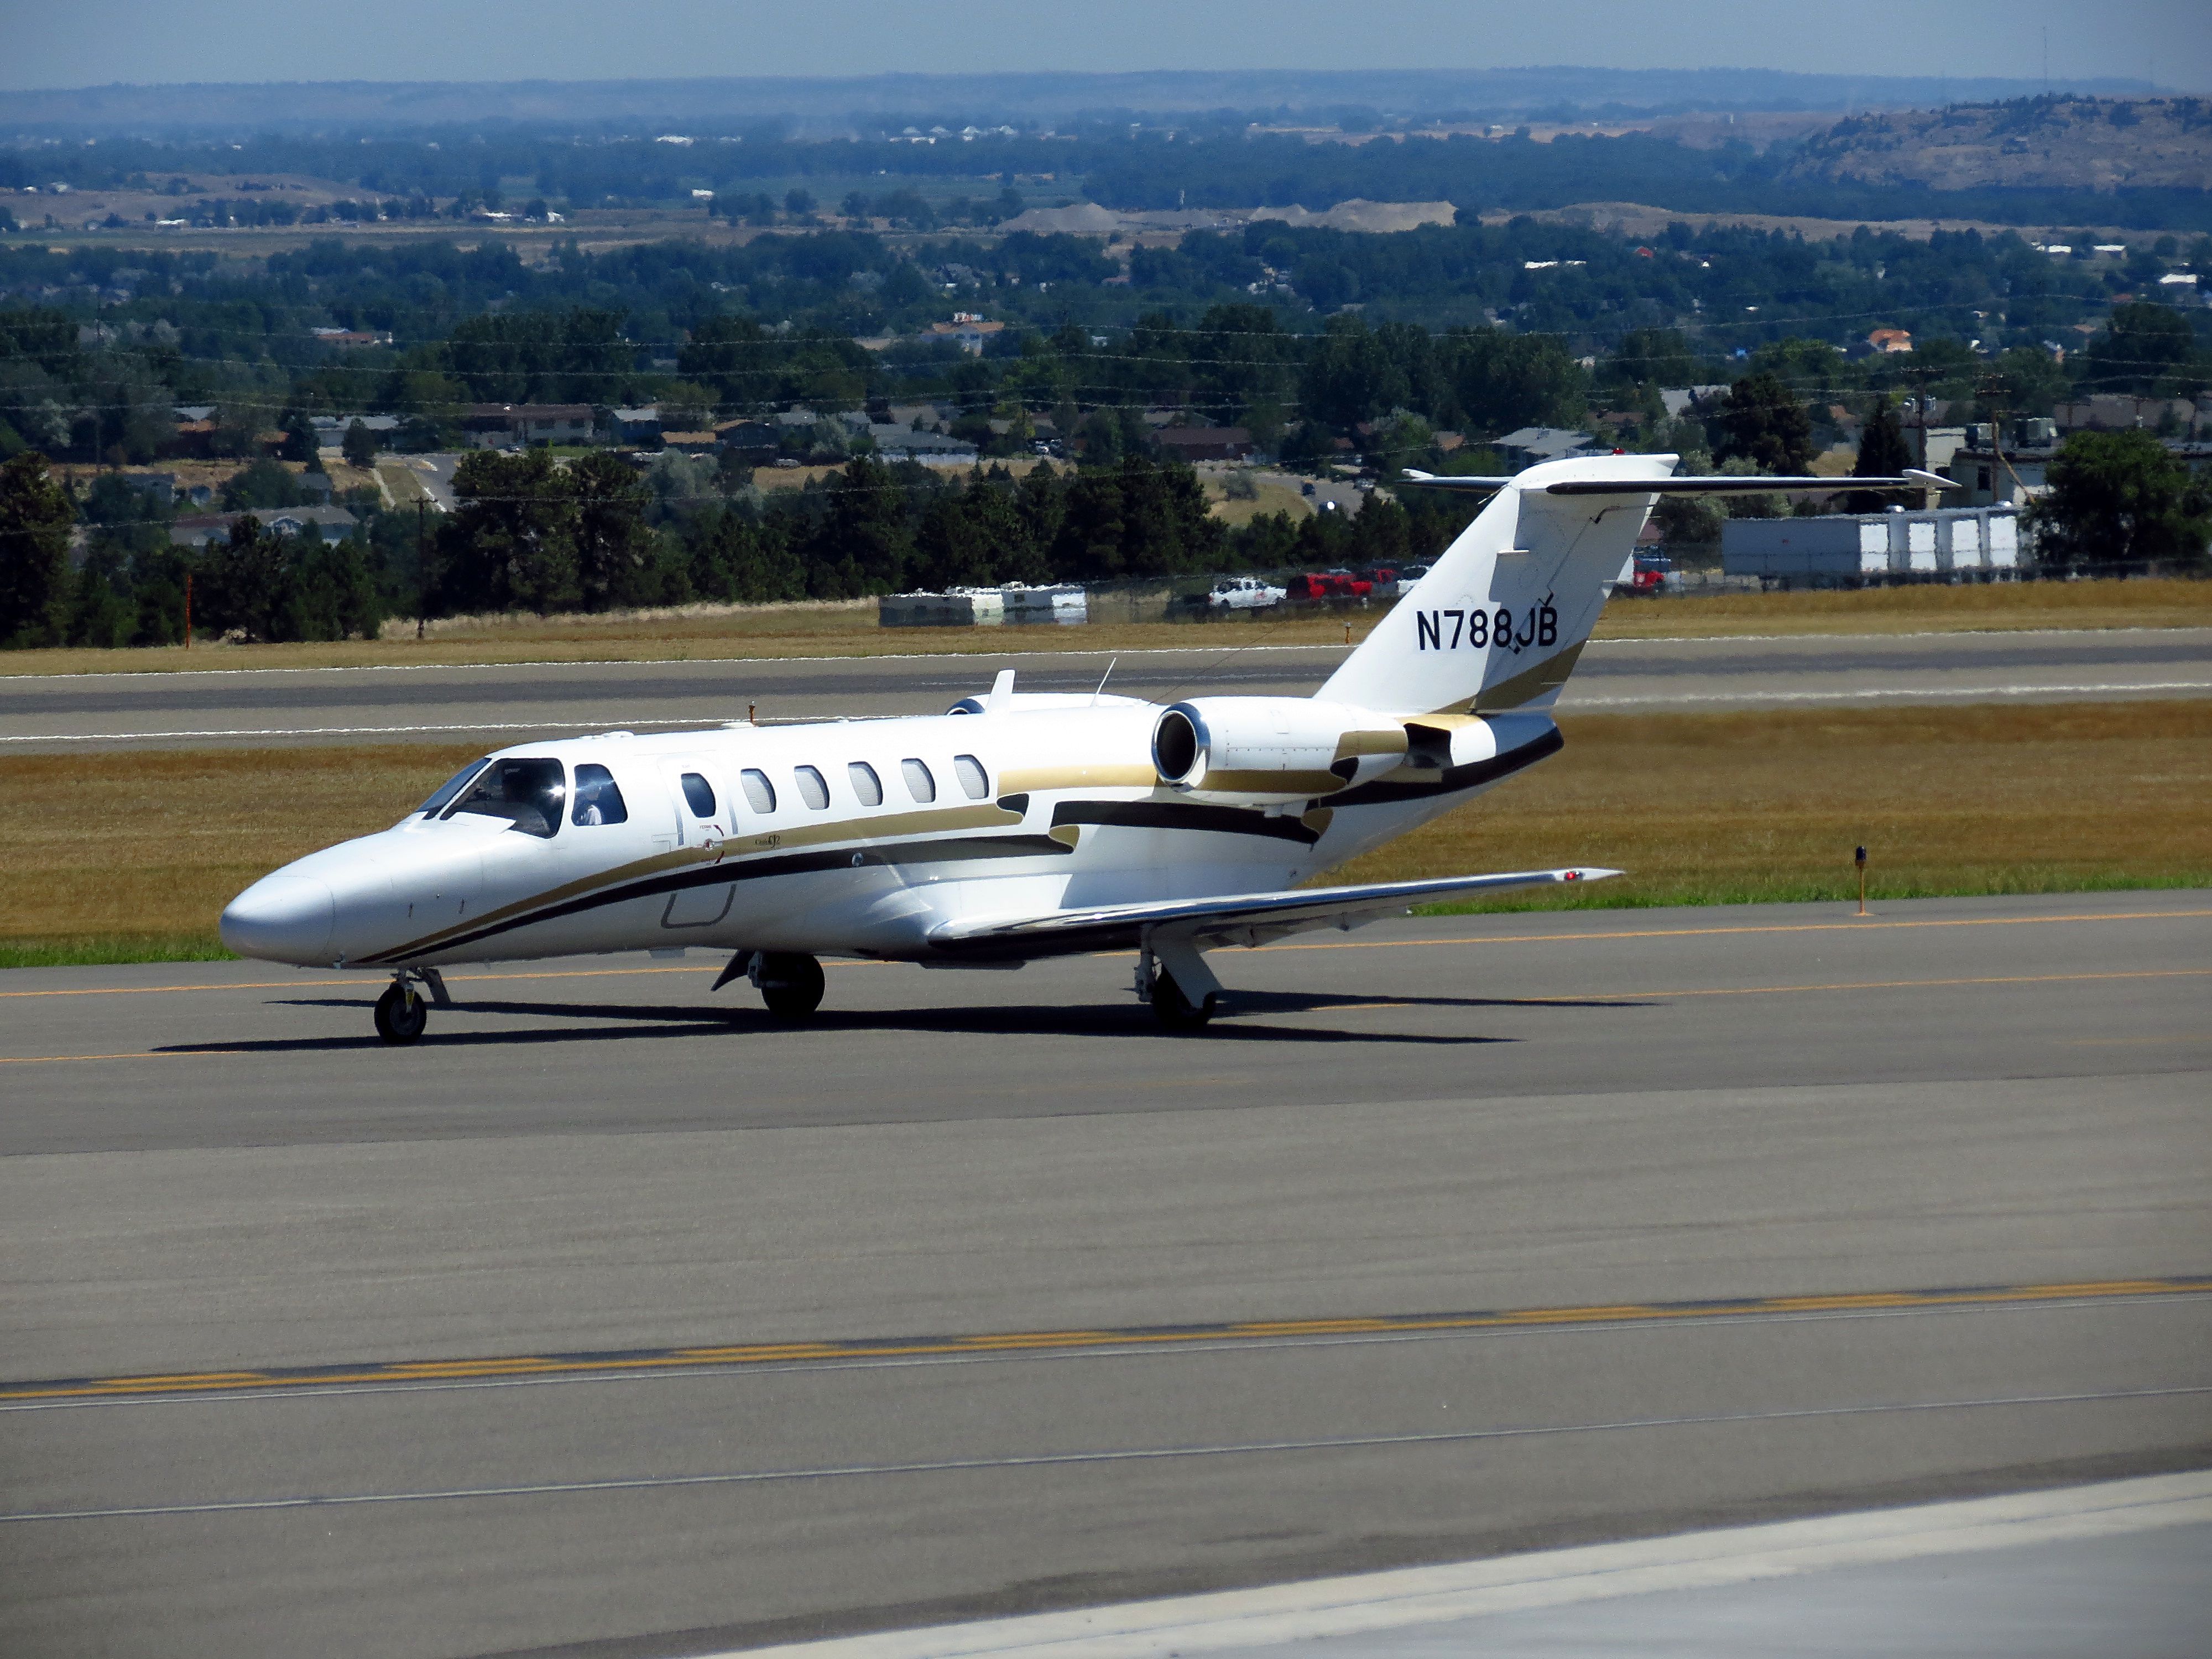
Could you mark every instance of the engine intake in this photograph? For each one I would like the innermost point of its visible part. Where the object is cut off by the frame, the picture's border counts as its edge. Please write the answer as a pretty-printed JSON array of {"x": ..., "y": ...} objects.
[{"x": 1272, "y": 750}]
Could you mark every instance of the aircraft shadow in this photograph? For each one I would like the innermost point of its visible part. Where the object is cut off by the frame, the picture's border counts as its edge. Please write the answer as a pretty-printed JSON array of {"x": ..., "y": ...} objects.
[{"x": 650, "y": 1019}]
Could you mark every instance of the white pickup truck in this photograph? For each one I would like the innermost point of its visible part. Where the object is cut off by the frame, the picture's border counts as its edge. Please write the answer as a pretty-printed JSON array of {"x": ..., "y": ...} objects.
[{"x": 1243, "y": 593}]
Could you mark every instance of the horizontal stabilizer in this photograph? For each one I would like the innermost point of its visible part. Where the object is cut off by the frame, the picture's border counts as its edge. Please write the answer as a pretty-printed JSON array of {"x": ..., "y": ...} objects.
[
  {"x": 1233, "y": 919},
  {"x": 1712, "y": 484}
]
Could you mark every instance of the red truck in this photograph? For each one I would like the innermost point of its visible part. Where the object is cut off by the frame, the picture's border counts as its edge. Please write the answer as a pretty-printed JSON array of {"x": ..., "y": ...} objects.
[
  {"x": 1648, "y": 578},
  {"x": 1329, "y": 585}
]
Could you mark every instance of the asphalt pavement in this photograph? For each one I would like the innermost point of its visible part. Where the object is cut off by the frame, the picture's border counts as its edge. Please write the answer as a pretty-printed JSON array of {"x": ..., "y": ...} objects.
[
  {"x": 511, "y": 703},
  {"x": 635, "y": 1323}
]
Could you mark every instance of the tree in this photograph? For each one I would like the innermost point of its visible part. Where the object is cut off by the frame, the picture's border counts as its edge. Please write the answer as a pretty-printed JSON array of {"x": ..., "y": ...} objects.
[
  {"x": 265, "y": 483},
  {"x": 2146, "y": 350},
  {"x": 1883, "y": 453},
  {"x": 1762, "y": 423},
  {"x": 614, "y": 548},
  {"x": 511, "y": 546},
  {"x": 359, "y": 446},
  {"x": 300, "y": 443},
  {"x": 798, "y": 202},
  {"x": 2121, "y": 498},
  {"x": 35, "y": 516},
  {"x": 242, "y": 586}
]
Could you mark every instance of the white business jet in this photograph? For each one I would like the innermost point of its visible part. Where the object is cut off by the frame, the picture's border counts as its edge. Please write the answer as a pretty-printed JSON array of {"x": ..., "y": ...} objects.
[{"x": 1016, "y": 826}]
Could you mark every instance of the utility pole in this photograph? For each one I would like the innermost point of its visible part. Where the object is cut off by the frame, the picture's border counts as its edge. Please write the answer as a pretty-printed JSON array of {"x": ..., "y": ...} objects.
[
  {"x": 188, "y": 609},
  {"x": 421, "y": 561}
]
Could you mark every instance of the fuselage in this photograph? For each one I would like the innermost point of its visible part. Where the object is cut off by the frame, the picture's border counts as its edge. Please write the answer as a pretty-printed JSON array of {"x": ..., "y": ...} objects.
[{"x": 835, "y": 838}]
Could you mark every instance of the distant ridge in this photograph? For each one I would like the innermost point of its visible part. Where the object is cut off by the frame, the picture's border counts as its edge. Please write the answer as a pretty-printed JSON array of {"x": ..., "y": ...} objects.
[{"x": 827, "y": 107}]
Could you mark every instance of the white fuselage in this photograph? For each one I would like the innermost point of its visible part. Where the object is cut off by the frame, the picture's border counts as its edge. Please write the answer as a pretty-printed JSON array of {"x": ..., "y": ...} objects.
[{"x": 1017, "y": 811}]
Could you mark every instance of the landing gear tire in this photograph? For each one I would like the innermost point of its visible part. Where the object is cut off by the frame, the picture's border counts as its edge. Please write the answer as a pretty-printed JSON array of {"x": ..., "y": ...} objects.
[
  {"x": 1176, "y": 1011},
  {"x": 791, "y": 984},
  {"x": 401, "y": 1013}
]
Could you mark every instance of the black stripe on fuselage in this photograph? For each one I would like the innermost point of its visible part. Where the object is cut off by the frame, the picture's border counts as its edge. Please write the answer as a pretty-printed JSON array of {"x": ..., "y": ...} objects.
[
  {"x": 940, "y": 850},
  {"x": 1452, "y": 779},
  {"x": 1183, "y": 815}
]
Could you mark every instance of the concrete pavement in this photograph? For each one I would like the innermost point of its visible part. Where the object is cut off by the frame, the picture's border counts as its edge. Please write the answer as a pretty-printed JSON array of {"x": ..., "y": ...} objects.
[{"x": 213, "y": 1169}]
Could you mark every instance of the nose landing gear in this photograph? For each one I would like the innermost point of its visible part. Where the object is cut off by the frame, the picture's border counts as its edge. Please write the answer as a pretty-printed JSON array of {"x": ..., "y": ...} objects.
[{"x": 401, "y": 1012}]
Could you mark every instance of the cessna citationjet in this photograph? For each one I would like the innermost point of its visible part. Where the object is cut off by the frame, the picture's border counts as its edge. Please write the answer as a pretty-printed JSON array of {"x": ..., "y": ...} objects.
[{"x": 1017, "y": 825}]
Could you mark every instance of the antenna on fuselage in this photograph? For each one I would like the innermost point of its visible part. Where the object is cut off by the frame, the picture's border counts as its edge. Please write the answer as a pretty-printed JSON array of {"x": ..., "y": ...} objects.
[{"x": 1103, "y": 678}]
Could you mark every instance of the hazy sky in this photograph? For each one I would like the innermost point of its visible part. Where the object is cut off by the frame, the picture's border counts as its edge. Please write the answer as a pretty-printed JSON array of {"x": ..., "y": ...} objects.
[{"x": 69, "y": 43}]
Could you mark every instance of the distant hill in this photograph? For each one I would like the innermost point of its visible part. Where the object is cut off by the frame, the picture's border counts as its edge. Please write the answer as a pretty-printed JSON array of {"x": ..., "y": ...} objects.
[
  {"x": 2044, "y": 144},
  {"x": 823, "y": 106}
]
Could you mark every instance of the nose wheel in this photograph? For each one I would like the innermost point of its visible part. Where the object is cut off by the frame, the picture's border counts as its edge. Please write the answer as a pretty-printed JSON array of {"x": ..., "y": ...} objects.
[{"x": 401, "y": 1012}]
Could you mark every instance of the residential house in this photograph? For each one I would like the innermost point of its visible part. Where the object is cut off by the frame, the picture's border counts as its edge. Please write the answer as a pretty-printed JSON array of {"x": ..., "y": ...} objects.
[
  {"x": 330, "y": 429},
  {"x": 1207, "y": 443},
  {"x": 504, "y": 426},
  {"x": 1889, "y": 342},
  {"x": 1533, "y": 444},
  {"x": 967, "y": 329},
  {"x": 635, "y": 426},
  {"x": 332, "y": 524},
  {"x": 754, "y": 441}
]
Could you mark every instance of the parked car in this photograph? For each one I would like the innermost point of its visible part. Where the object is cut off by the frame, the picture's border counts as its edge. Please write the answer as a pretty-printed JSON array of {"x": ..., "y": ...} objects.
[
  {"x": 1329, "y": 585},
  {"x": 1243, "y": 593},
  {"x": 1306, "y": 488}
]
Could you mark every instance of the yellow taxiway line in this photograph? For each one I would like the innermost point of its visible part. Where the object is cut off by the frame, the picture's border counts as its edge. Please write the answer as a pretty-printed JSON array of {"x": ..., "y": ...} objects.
[{"x": 694, "y": 1357}]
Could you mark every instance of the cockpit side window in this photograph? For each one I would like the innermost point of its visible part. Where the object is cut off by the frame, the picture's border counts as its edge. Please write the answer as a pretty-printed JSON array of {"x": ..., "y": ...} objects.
[
  {"x": 599, "y": 797},
  {"x": 528, "y": 790},
  {"x": 451, "y": 787}
]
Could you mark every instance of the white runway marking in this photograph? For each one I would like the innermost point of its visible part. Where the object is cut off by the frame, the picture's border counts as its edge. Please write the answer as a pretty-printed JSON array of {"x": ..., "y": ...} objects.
[
  {"x": 1901, "y": 693},
  {"x": 1057, "y": 1460}
]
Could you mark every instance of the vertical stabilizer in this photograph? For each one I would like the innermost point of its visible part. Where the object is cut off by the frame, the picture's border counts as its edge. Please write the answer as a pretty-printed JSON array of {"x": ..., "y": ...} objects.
[{"x": 1499, "y": 621}]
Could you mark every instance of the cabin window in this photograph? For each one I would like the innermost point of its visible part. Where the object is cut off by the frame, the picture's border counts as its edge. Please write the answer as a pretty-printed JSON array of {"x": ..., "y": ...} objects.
[
  {"x": 811, "y": 789},
  {"x": 918, "y": 783},
  {"x": 451, "y": 787},
  {"x": 866, "y": 784},
  {"x": 598, "y": 798},
  {"x": 760, "y": 793},
  {"x": 699, "y": 794},
  {"x": 528, "y": 792},
  {"x": 974, "y": 782}
]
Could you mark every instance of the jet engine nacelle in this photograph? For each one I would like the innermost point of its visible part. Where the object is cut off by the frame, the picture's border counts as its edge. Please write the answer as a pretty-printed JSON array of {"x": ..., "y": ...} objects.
[{"x": 1272, "y": 750}]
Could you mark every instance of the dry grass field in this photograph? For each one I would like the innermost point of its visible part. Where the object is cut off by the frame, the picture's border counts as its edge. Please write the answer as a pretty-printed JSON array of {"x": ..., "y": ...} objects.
[
  {"x": 848, "y": 627},
  {"x": 131, "y": 856}
]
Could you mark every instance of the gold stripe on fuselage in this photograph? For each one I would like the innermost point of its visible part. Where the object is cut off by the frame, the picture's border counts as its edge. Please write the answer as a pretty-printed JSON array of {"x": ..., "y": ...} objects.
[{"x": 744, "y": 848}]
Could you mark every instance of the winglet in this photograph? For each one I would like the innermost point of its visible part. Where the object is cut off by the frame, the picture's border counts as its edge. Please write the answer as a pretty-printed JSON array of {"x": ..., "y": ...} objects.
[{"x": 1002, "y": 693}]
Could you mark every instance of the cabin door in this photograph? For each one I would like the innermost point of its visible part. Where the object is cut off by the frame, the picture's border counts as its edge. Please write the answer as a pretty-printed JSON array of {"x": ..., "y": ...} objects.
[{"x": 702, "y": 821}]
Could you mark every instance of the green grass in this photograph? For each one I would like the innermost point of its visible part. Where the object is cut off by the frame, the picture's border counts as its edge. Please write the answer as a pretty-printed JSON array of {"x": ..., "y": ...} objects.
[{"x": 101, "y": 949}]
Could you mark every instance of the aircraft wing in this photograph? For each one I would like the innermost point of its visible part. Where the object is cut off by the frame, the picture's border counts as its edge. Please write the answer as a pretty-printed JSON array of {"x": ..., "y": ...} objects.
[{"x": 1235, "y": 919}]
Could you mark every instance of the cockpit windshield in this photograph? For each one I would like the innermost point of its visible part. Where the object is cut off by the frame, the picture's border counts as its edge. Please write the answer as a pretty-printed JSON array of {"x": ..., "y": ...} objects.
[
  {"x": 528, "y": 792},
  {"x": 451, "y": 787}
]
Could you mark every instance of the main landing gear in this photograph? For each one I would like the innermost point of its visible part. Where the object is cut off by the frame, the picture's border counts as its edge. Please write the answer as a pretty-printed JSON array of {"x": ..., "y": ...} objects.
[
  {"x": 790, "y": 981},
  {"x": 1172, "y": 976},
  {"x": 402, "y": 1011}
]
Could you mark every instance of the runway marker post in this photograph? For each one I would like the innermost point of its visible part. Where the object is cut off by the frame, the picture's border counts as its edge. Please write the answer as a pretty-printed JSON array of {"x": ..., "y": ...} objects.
[{"x": 1860, "y": 860}]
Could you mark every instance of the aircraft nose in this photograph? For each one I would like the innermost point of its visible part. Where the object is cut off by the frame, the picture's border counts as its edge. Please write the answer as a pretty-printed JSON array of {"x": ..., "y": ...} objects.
[{"x": 281, "y": 919}]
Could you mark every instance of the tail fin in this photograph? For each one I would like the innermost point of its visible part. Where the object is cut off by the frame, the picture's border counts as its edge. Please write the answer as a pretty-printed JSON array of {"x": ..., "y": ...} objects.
[{"x": 1501, "y": 619}]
